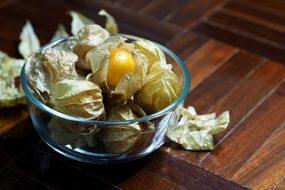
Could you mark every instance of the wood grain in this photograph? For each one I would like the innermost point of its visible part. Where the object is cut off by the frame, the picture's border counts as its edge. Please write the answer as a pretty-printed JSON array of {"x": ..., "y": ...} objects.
[
  {"x": 235, "y": 38},
  {"x": 234, "y": 51},
  {"x": 257, "y": 15},
  {"x": 56, "y": 174},
  {"x": 8, "y": 121},
  {"x": 154, "y": 168},
  {"x": 204, "y": 106},
  {"x": 206, "y": 60},
  {"x": 162, "y": 31},
  {"x": 189, "y": 12},
  {"x": 10, "y": 179},
  {"x": 248, "y": 25},
  {"x": 253, "y": 91},
  {"x": 139, "y": 5},
  {"x": 156, "y": 10},
  {"x": 186, "y": 44},
  {"x": 234, "y": 70},
  {"x": 260, "y": 125},
  {"x": 4, "y": 3},
  {"x": 256, "y": 30},
  {"x": 268, "y": 160},
  {"x": 273, "y": 6}
]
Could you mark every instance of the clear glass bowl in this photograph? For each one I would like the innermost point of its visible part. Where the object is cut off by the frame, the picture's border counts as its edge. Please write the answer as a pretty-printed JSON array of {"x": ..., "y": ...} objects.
[{"x": 41, "y": 115}]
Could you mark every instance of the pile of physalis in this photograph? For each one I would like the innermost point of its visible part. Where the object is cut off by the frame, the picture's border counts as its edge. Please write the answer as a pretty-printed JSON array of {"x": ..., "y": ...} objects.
[{"x": 102, "y": 76}]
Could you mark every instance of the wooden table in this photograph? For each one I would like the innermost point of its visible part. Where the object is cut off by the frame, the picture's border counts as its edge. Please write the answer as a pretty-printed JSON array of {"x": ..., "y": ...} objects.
[{"x": 235, "y": 52}]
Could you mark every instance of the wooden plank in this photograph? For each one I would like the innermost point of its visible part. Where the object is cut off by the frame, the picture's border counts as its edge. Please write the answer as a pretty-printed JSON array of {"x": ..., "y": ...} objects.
[
  {"x": 273, "y": 6},
  {"x": 268, "y": 35},
  {"x": 61, "y": 11},
  {"x": 137, "y": 5},
  {"x": 185, "y": 174},
  {"x": 9, "y": 35},
  {"x": 235, "y": 38},
  {"x": 8, "y": 121},
  {"x": 235, "y": 70},
  {"x": 238, "y": 147},
  {"x": 74, "y": 174},
  {"x": 132, "y": 30},
  {"x": 9, "y": 47},
  {"x": 222, "y": 79},
  {"x": 181, "y": 172},
  {"x": 9, "y": 30},
  {"x": 242, "y": 100},
  {"x": 138, "y": 179},
  {"x": 268, "y": 160},
  {"x": 156, "y": 167},
  {"x": 10, "y": 179},
  {"x": 115, "y": 2},
  {"x": 189, "y": 12},
  {"x": 44, "y": 32},
  {"x": 45, "y": 169},
  {"x": 166, "y": 31},
  {"x": 162, "y": 8},
  {"x": 207, "y": 89},
  {"x": 10, "y": 150},
  {"x": 206, "y": 60},
  {"x": 4, "y": 3},
  {"x": 187, "y": 44},
  {"x": 257, "y": 15}
]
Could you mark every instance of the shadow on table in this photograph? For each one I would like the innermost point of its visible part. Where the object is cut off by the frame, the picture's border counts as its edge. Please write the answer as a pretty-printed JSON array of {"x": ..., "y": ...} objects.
[{"x": 48, "y": 167}]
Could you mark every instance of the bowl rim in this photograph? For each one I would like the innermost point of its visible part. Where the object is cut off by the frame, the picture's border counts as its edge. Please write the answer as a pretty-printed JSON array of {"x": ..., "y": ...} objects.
[{"x": 52, "y": 112}]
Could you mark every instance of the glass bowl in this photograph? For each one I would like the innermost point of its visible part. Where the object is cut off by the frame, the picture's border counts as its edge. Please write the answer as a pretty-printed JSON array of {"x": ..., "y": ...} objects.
[{"x": 41, "y": 115}]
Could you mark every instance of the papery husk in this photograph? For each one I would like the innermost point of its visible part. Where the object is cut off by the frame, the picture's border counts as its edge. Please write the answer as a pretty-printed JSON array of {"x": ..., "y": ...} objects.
[
  {"x": 144, "y": 139},
  {"x": 29, "y": 41},
  {"x": 43, "y": 69},
  {"x": 132, "y": 82},
  {"x": 123, "y": 113},
  {"x": 78, "y": 97},
  {"x": 111, "y": 24},
  {"x": 153, "y": 53},
  {"x": 118, "y": 147},
  {"x": 62, "y": 135},
  {"x": 59, "y": 64},
  {"x": 120, "y": 139},
  {"x": 10, "y": 94},
  {"x": 117, "y": 133},
  {"x": 160, "y": 89},
  {"x": 98, "y": 58},
  {"x": 129, "y": 83},
  {"x": 195, "y": 132},
  {"x": 130, "y": 141},
  {"x": 78, "y": 128},
  {"x": 87, "y": 38},
  {"x": 78, "y": 21}
]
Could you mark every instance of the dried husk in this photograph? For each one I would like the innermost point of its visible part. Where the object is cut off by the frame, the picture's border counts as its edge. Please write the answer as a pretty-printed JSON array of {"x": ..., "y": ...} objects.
[
  {"x": 43, "y": 69},
  {"x": 160, "y": 89},
  {"x": 78, "y": 98},
  {"x": 61, "y": 134},
  {"x": 130, "y": 83},
  {"x": 134, "y": 136},
  {"x": 87, "y": 38}
]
